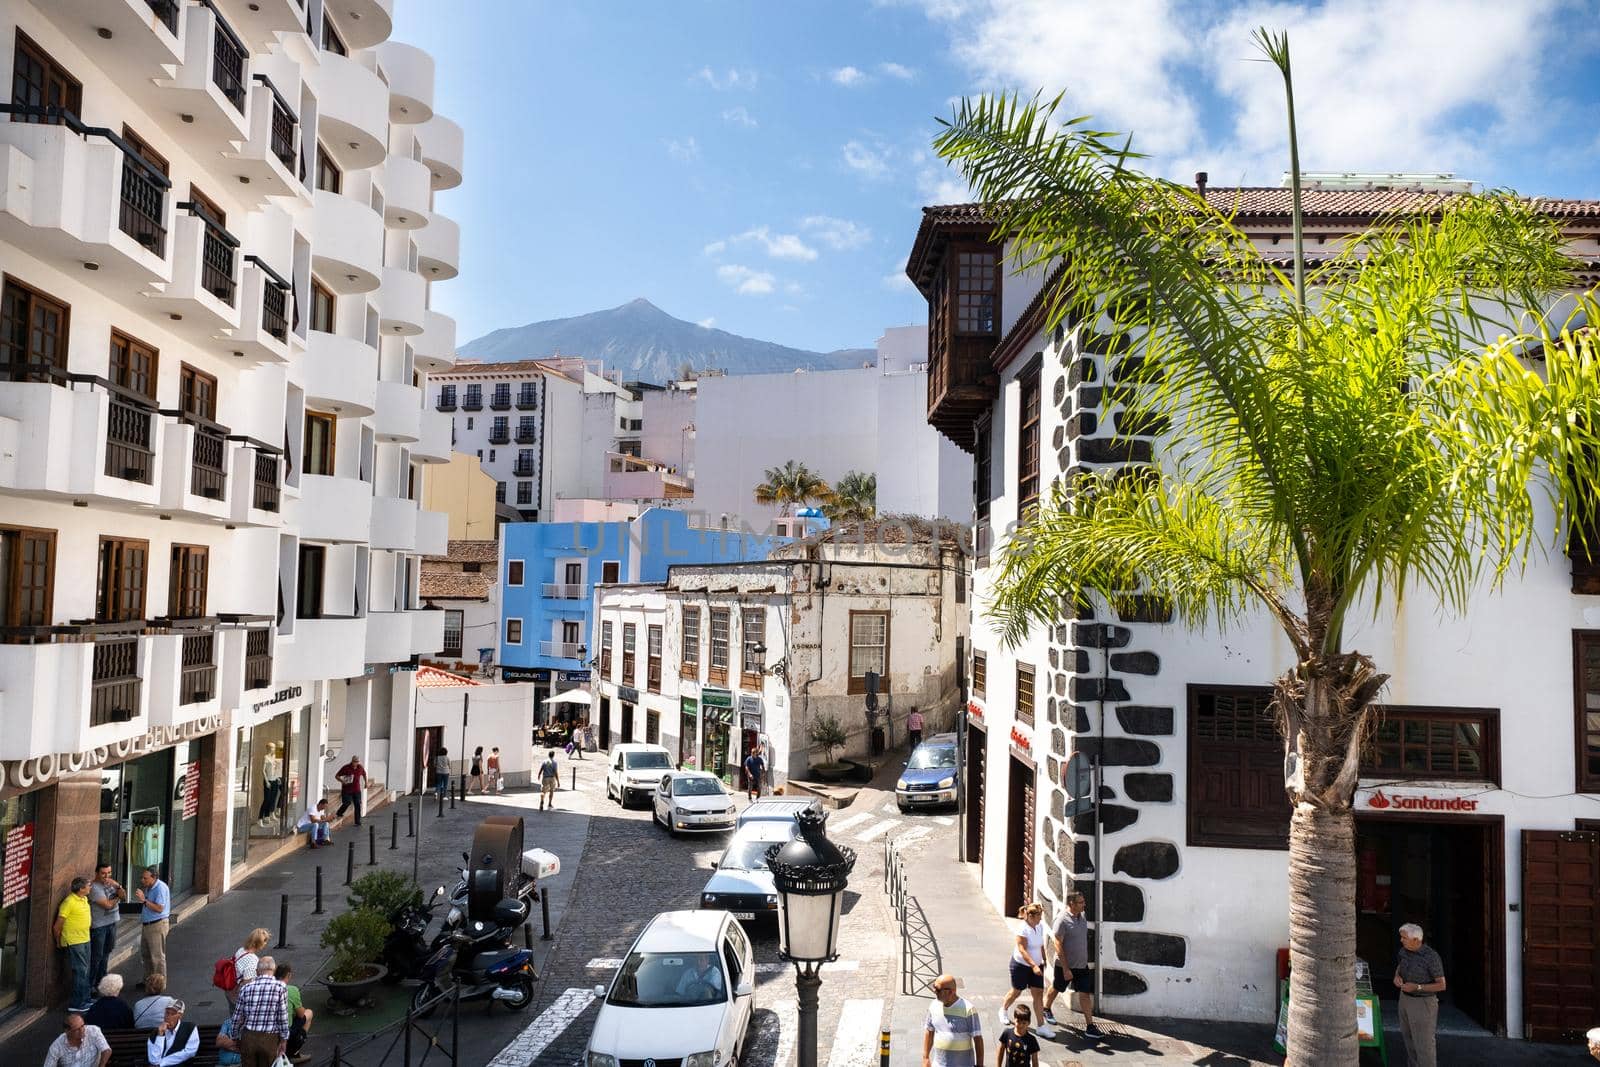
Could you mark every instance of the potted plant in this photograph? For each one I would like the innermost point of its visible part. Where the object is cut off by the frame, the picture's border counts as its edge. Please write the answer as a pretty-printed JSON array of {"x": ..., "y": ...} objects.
[
  {"x": 383, "y": 893},
  {"x": 356, "y": 939},
  {"x": 827, "y": 733}
]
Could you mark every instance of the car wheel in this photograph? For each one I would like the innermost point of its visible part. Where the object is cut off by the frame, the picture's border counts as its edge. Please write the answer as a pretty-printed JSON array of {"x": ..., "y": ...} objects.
[{"x": 903, "y": 809}]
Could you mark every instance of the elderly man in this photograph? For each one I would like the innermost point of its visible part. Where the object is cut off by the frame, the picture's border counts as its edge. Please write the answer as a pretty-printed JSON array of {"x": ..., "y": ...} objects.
[
  {"x": 951, "y": 1034},
  {"x": 175, "y": 1041},
  {"x": 1419, "y": 975},
  {"x": 261, "y": 1017},
  {"x": 80, "y": 1045}
]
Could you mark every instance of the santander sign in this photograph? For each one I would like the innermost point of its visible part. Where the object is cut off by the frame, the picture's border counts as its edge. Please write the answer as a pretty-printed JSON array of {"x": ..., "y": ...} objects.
[{"x": 1380, "y": 801}]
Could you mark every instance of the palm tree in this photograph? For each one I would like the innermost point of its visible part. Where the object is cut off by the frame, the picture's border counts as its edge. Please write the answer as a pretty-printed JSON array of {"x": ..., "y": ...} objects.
[
  {"x": 791, "y": 484},
  {"x": 1319, "y": 457},
  {"x": 855, "y": 498}
]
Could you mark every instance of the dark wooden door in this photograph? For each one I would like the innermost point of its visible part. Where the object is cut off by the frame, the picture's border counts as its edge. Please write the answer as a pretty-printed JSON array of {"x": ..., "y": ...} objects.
[
  {"x": 605, "y": 723},
  {"x": 1560, "y": 933},
  {"x": 627, "y": 724},
  {"x": 1019, "y": 837},
  {"x": 977, "y": 758}
]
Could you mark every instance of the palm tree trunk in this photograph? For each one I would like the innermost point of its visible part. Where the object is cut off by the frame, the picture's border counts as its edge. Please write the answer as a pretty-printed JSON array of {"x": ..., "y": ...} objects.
[{"x": 1322, "y": 938}]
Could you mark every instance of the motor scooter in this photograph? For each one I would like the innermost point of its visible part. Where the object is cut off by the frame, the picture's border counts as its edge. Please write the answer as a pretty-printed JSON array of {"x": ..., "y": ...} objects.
[
  {"x": 407, "y": 948},
  {"x": 475, "y": 956}
]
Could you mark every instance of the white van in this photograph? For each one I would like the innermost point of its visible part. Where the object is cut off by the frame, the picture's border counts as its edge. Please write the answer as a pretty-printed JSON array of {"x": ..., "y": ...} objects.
[{"x": 635, "y": 772}]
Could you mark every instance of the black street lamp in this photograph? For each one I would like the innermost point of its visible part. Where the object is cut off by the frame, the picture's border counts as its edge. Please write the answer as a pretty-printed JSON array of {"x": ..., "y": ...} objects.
[{"x": 810, "y": 873}]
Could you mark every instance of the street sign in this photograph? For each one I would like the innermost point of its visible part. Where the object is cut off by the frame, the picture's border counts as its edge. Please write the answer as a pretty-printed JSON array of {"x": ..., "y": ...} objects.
[{"x": 1078, "y": 778}]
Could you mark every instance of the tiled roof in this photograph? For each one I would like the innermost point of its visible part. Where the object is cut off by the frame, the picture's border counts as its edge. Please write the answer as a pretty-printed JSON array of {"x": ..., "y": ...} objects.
[
  {"x": 434, "y": 678},
  {"x": 472, "y": 552},
  {"x": 454, "y": 585},
  {"x": 477, "y": 368}
]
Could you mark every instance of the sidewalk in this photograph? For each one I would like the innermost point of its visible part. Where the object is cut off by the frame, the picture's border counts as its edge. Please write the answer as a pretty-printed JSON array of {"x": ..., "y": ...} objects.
[
  {"x": 970, "y": 940},
  {"x": 204, "y": 934}
]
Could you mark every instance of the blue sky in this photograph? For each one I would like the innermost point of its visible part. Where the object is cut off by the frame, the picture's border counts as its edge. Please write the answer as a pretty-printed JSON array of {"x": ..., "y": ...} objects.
[{"x": 761, "y": 166}]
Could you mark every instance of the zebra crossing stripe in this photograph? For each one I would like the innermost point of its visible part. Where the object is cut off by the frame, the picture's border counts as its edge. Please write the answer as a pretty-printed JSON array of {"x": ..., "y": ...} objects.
[
  {"x": 891, "y": 807},
  {"x": 877, "y": 830},
  {"x": 914, "y": 834},
  {"x": 540, "y": 1034},
  {"x": 849, "y": 821},
  {"x": 855, "y": 1041},
  {"x": 944, "y": 820},
  {"x": 788, "y": 1026}
]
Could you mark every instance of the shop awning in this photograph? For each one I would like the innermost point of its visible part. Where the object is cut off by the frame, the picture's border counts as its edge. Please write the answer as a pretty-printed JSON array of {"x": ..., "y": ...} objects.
[{"x": 571, "y": 696}]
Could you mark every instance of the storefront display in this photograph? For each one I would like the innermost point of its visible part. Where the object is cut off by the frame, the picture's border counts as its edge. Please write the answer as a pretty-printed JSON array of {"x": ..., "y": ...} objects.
[
  {"x": 717, "y": 733},
  {"x": 16, "y": 839},
  {"x": 136, "y": 816},
  {"x": 688, "y": 731},
  {"x": 268, "y": 775}
]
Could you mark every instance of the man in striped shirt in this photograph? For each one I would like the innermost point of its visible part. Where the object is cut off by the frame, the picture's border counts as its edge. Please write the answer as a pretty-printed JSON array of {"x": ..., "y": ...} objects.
[
  {"x": 952, "y": 1036},
  {"x": 260, "y": 1018}
]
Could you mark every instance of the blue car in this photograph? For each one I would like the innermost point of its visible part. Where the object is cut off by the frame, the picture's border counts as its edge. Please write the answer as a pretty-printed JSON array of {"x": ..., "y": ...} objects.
[{"x": 931, "y": 777}]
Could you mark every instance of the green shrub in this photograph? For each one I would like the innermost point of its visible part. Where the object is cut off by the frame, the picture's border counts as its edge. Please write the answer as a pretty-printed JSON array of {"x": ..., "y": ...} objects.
[
  {"x": 356, "y": 939},
  {"x": 827, "y": 733},
  {"x": 383, "y": 893}
]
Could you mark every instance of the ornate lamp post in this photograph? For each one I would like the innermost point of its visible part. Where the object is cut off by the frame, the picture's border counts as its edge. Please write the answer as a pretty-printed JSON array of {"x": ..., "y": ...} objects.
[{"x": 810, "y": 873}]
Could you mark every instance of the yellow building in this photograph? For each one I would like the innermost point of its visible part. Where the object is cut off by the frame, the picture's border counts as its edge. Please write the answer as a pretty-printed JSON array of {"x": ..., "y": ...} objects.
[{"x": 465, "y": 491}]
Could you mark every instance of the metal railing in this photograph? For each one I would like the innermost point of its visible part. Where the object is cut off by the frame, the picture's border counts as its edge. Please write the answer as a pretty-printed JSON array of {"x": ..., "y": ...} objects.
[
  {"x": 560, "y": 649},
  {"x": 218, "y": 248},
  {"x": 920, "y": 959},
  {"x": 199, "y": 674},
  {"x": 258, "y": 658},
  {"x": 501, "y": 400},
  {"x": 167, "y": 12},
  {"x": 130, "y": 421},
  {"x": 527, "y": 435},
  {"x": 472, "y": 402},
  {"x": 274, "y": 299},
  {"x": 527, "y": 399},
  {"x": 209, "y": 475},
  {"x": 447, "y": 403},
  {"x": 283, "y": 124},
  {"x": 522, "y": 470},
  {"x": 229, "y": 57},
  {"x": 499, "y": 436}
]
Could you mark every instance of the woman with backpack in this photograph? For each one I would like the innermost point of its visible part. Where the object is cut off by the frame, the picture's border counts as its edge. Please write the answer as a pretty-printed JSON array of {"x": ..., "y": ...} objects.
[{"x": 233, "y": 973}]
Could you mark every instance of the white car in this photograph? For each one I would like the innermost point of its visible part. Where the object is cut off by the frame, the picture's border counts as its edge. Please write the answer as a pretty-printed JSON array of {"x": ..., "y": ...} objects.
[
  {"x": 693, "y": 802},
  {"x": 635, "y": 771},
  {"x": 684, "y": 995},
  {"x": 743, "y": 883}
]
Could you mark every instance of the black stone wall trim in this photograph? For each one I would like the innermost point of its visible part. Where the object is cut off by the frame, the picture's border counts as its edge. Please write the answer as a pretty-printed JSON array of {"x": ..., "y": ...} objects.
[
  {"x": 1156, "y": 950},
  {"x": 1147, "y": 859}
]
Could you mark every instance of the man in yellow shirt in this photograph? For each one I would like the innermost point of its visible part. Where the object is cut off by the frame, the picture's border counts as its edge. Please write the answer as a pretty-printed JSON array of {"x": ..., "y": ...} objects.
[{"x": 72, "y": 934}]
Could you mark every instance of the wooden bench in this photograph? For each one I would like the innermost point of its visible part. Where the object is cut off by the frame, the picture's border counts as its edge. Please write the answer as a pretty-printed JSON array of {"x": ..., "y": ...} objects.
[{"x": 130, "y": 1048}]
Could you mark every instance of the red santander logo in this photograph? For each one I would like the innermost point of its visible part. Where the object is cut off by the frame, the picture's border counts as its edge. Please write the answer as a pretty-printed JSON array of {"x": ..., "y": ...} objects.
[{"x": 1379, "y": 801}]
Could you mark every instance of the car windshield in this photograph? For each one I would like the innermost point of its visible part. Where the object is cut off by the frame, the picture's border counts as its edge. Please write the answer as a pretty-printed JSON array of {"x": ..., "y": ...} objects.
[
  {"x": 645, "y": 761},
  {"x": 932, "y": 757},
  {"x": 749, "y": 855},
  {"x": 697, "y": 787},
  {"x": 669, "y": 980}
]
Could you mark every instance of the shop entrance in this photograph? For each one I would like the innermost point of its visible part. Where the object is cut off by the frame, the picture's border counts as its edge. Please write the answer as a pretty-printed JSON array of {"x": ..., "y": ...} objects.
[
  {"x": 627, "y": 724},
  {"x": 1447, "y": 875},
  {"x": 1019, "y": 838},
  {"x": 605, "y": 723}
]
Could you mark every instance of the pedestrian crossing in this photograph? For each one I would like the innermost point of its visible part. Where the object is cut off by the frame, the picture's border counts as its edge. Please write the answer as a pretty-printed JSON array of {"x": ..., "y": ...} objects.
[
  {"x": 872, "y": 826},
  {"x": 771, "y": 1041}
]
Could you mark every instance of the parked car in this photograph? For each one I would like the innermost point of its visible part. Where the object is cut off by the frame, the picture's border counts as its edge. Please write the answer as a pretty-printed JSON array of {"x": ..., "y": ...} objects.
[
  {"x": 778, "y": 809},
  {"x": 931, "y": 777},
  {"x": 635, "y": 771},
  {"x": 743, "y": 883},
  {"x": 684, "y": 994},
  {"x": 693, "y": 802}
]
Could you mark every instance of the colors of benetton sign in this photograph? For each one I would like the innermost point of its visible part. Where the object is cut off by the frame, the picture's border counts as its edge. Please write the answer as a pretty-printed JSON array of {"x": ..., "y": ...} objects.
[{"x": 1380, "y": 801}]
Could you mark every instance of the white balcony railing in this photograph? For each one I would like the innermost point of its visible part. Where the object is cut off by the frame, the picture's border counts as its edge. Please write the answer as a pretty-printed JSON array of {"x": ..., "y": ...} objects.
[
  {"x": 559, "y": 591},
  {"x": 560, "y": 649}
]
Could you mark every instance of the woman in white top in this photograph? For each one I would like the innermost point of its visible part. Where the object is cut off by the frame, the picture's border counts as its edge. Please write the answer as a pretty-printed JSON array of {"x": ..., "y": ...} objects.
[
  {"x": 1027, "y": 966},
  {"x": 245, "y": 959}
]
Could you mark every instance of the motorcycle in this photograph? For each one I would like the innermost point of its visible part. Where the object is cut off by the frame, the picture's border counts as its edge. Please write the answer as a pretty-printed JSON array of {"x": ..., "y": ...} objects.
[
  {"x": 476, "y": 957},
  {"x": 537, "y": 863},
  {"x": 407, "y": 948}
]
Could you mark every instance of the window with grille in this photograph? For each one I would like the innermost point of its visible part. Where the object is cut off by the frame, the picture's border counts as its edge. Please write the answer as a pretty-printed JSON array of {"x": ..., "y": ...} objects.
[
  {"x": 1025, "y": 693},
  {"x": 689, "y": 653},
  {"x": 653, "y": 658},
  {"x": 976, "y": 286},
  {"x": 1433, "y": 744},
  {"x": 869, "y": 648},
  {"x": 1586, "y": 665},
  {"x": 452, "y": 632},
  {"x": 133, "y": 364},
  {"x": 1028, "y": 439},
  {"x": 119, "y": 595},
  {"x": 605, "y": 649},
  {"x": 630, "y": 649},
  {"x": 719, "y": 644},
  {"x": 27, "y": 576},
  {"x": 1236, "y": 796},
  {"x": 980, "y": 674},
  {"x": 753, "y": 640},
  {"x": 186, "y": 596},
  {"x": 33, "y": 334}
]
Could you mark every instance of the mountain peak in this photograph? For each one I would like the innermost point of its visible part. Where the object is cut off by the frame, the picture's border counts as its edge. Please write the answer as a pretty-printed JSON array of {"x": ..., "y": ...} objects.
[{"x": 647, "y": 344}]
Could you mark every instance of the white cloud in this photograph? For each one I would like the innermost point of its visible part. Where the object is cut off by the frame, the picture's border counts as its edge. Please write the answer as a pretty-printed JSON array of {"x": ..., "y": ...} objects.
[
  {"x": 849, "y": 77},
  {"x": 837, "y": 234},
  {"x": 1380, "y": 85},
  {"x": 872, "y": 162},
  {"x": 746, "y": 281},
  {"x": 895, "y": 70},
  {"x": 739, "y": 116},
  {"x": 715, "y": 248},
  {"x": 777, "y": 245},
  {"x": 707, "y": 322},
  {"x": 732, "y": 78},
  {"x": 794, "y": 288},
  {"x": 686, "y": 150}
]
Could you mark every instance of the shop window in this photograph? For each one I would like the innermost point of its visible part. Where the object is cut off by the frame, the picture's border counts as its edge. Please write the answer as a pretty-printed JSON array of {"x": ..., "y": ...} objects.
[
  {"x": 653, "y": 663},
  {"x": 33, "y": 334},
  {"x": 630, "y": 648},
  {"x": 869, "y": 649},
  {"x": 689, "y": 652},
  {"x": 1028, "y": 440},
  {"x": 1236, "y": 796},
  {"x": 27, "y": 576},
  {"x": 186, "y": 596},
  {"x": 324, "y": 318},
  {"x": 980, "y": 674},
  {"x": 452, "y": 632},
  {"x": 605, "y": 650},
  {"x": 119, "y": 596},
  {"x": 133, "y": 365},
  {"x": 1434, "y": 744},
  {"x": 321, "y": 431},
  {"x": 752, "y": 646},
  {"x": 719, "y": 646},
  {"x": 1025, "y": 678},
  {"x": 1586, "y": 665}
]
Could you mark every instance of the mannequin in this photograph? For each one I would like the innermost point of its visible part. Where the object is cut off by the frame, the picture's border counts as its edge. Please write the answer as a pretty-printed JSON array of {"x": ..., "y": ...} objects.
[{"x": 271, "y": 784}]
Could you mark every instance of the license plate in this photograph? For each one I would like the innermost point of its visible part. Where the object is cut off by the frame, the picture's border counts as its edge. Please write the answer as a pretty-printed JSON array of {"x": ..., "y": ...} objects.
[
  {"x": 747, "y": 915},
  {"x": 922, "y": 799}
]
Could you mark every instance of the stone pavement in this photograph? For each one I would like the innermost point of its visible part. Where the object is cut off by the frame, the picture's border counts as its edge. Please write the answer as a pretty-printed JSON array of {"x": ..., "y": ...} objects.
[{"x": 203, "y": 934}]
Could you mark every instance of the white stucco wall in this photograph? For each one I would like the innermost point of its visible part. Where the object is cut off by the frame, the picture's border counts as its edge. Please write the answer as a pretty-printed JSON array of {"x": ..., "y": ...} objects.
[{"x": 499, "y": 714}]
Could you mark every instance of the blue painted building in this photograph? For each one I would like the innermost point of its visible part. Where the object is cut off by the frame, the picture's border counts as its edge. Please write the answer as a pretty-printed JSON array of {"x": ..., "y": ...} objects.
[{"x": 548, "y": 571}]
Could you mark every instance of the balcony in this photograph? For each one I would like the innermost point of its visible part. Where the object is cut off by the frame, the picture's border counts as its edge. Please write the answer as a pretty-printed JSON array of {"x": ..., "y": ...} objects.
[
  {"x": 402, "y": 302},
  {"x": 472, "y": 402},
  {"x": 410, "y": 73},
  {"x": 76, "y": 436},
  {"x": 447, "y": 402},
  {"x": 73, "y": 688},
  {"x": 196, "y": 460},
  {"x": 257, "y": 478},
  {"x": 333, "y": 509},
  {"x": 354, "y": 103},
  {"x": 130, "y": 42},
  {"x": 364, "y": 23},
  {"x": 260, "y": 22},
  {"x": 78, "y": 196},
  {"x": 202, "y": 300},
  {"x": 389, "y": 637},
  {"x": 267, "y": 162},
  {"x": 341, "y": 374},
  {"x": 399, "y": 412},
  {"x": 322, "y": 648},
  {"x": 184, "y": 668},
  {"x": 527, "y": 435},
  {"x": 265, "y": 301},
  {"x": 523, "y": 469},
  {"x": 435, "y": 348},
  {"x": 500, "y": 435},
  {"x": 433, "y": 442},
  {"x": 433, "y": 533},
  {"x": 439, "y": 248},
  {"x": 500, "y": 400},
  {"x": 394, "y": 523},
  {"x": 258, "y": 658},
  {"x": 441, "y": 143},
  {"x": 558, "y": 591},
  {"x": 209, "y": 88},
  {"x": 527, "y": 400},
  {"x": 406, "y": 193},
  {"x": 348, "y": 253},
  {"x": 561, "y": 650}
]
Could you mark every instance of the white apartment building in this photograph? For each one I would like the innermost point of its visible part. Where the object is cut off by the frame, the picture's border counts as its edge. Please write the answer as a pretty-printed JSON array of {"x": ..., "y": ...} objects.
[
  {"x": 1476, "y": 811},
  {"x": 219, "y": 239}
]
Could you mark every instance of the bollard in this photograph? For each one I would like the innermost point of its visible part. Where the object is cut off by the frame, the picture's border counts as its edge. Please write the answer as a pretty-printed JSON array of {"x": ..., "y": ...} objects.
[
  {"x": 441, "y": 805},
  {"x": 394, "y": 829},
  {"x": 372, "y": 845},
  {"x": 283, "y": 920},
  {"x": 527, "y": 936},
  {"x": 408, "y": 1026},
  {"x": 883, "y": 1049},
  {"x": 574, "y": 779},
  {"x": 544, "y": 908},
  {"x": 318, "y": 909},
  {"x": 350, "y": 863},
  {"x": 452, "y": 798},
  {"x": 411, "y": 819}
]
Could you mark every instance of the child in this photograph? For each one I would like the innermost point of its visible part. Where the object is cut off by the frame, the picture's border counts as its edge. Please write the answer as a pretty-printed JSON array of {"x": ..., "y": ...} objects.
[{"x": 1018, "y": 1047}]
